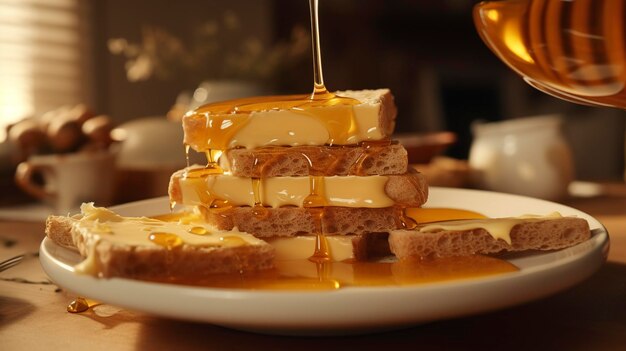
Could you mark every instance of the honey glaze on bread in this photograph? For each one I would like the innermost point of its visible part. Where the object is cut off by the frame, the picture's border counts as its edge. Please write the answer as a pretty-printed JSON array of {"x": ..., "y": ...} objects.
[{"x": 141, "y": 247}]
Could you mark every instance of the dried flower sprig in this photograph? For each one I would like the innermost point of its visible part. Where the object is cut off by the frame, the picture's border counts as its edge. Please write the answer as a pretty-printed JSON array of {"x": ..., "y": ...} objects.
[{"x": 218, "y": 50}]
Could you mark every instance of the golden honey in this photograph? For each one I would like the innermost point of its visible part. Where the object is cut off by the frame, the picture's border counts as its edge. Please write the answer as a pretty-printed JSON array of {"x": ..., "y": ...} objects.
[
  {"x": 574, "y": 50},
  {"x": 304, "y": 275}
]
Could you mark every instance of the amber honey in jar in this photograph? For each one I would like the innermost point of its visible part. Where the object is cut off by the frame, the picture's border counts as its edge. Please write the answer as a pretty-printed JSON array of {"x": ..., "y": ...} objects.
[{"x": 571, "y": 49}]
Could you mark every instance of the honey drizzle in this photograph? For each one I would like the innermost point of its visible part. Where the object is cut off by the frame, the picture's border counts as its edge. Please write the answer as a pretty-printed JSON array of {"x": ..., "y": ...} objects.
[
  {"x": 403, "y": 221},
  {"x": 258, "y": 209},
  {"x": 315, "y": 202},
  {"x": 187, "y": 149},
  {"x": 319, "y": 89},
  {"x": 369, "y": 150}
]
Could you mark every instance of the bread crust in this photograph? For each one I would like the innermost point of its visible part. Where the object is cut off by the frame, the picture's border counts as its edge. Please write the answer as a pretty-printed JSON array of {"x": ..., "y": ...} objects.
[
  {"x": 548, "y": 234},
  {"x": 316, "y": 160},
  {"x": 154, "y": 262}
]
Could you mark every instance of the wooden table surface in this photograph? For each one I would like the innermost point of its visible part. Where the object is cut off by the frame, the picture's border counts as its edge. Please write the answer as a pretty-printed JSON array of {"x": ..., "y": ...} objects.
[{"x": 590, "y": 316}]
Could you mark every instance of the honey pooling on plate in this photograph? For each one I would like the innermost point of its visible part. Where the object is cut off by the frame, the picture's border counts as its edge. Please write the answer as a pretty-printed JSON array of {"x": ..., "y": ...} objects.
[{"x": 304, "y": 275}]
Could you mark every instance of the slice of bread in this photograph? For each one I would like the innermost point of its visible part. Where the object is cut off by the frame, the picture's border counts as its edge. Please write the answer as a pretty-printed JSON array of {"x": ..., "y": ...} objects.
[
  {"x": 292, "y": 221},
  {"x": 377, "y": 97},
  {"x": 531, "y": 234},
  {"x": 316, "y": 160},
  {"x": 107, "y": 258},
  {"x": 408, "y": 190},
  {"x": 372, "y": 119}
]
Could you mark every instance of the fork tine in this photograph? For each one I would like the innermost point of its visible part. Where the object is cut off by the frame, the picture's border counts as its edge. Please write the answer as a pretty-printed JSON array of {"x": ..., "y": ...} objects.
[{"x": 4, "y": 265}]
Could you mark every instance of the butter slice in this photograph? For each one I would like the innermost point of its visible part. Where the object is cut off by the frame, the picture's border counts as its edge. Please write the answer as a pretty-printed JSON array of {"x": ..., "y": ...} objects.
[
  {"x": 297, "y": 126},
  {"x": 302, "y": 247},
  {"x": 99, "y": 224},
  {"x": 498, "y": 228},
  {"x": 346, "y": 191}
]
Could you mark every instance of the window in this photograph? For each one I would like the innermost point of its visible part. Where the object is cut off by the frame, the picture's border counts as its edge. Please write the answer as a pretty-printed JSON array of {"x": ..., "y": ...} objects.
[{"x": 44, "y": 57}]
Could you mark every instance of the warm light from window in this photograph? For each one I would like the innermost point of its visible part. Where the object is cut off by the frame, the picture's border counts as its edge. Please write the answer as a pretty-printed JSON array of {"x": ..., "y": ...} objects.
[{"x": 41, "y": 55}]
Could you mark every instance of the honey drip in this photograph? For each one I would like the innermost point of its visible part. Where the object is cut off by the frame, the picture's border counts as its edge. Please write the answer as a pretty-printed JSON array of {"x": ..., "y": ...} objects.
[
  {"x": 187, "y": 149},
  {"x": 319, "y": 89},
  {"x": 258, "y": 209},
  {"x": 80, "y": 304},
  {"x": 199, "y": 231},
  {"x": 167, "y": 240},
  {"x": 199, "y": 176},
  {"x": 231, "y": 241},
  {"x": 316, "y": 196},
  {"x": 315, "y": 202},
  {"x": 322, "y": 251},
  {"x": 402, "y": 220}
]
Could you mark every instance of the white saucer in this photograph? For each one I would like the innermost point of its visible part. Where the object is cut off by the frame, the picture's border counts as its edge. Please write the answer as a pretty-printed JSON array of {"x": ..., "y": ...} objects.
[{"x": 351, "y": 309}]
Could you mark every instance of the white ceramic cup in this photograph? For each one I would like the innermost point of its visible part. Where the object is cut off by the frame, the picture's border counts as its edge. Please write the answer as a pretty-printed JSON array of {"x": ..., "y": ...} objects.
[
  {"x": 526, "y": 156},
  {"x": 70, "y": 179}
]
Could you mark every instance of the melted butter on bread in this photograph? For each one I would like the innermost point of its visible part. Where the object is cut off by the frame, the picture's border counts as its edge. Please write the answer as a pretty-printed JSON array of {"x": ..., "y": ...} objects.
[
  {"x": 97, "y": 224},
  {"x": 498, "y": 228},
  {"x": 346, "y": 191},
  {"x": 343, "y": 119}
]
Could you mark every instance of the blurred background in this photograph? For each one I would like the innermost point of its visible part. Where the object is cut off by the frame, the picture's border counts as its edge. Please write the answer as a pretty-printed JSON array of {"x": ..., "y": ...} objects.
[{"x": 129, "y": 60}]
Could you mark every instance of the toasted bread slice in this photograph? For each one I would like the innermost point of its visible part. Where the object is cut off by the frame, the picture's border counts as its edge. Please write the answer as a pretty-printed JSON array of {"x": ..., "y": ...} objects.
[
  {"x": 524, "y": 234},
  {"x": 316, "y": 160},
  {"x": 292, "y": 221},
  {"x": 100, "y": 239},
  {"x": 408, "y": 190},
  {"x": 216, "y": 127}
]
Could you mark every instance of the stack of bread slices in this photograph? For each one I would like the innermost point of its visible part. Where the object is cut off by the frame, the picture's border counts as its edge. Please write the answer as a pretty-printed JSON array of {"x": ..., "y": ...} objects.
[
  {"x": 318, "y": 180},
  {"x": 288, "y": 172}
]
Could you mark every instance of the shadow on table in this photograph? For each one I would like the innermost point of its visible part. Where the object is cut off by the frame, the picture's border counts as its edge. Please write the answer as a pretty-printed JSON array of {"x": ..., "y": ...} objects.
[
  {"x": 591, "y": 315},
  {"x": 12, "y": 310}
]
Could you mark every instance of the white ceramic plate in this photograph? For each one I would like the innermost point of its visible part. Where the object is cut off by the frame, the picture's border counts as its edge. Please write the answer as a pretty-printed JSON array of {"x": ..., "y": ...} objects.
[{"x": 357, "y": 309}]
